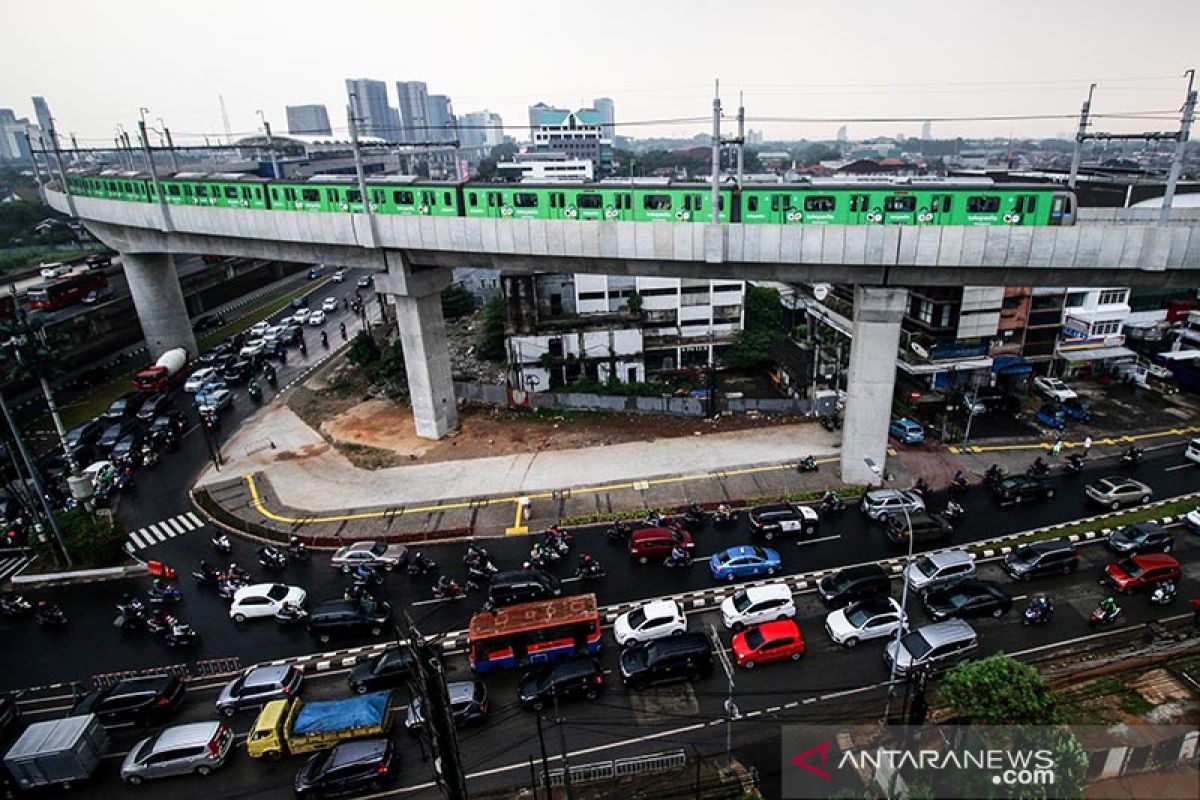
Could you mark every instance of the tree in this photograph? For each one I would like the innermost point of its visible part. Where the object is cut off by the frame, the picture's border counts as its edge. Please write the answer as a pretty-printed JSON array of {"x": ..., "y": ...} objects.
[
  {"x": 999, "y": 690},
  {"x": 486, "y": 168},
  {"x": 635, "y": 303},
  {"x": 491, "y": 336},
  {"x": 761, "y": 332},
  {"x": 457, "y": 302},
  {"x": 363, "y": 350},
  {"x": 816, "y": 153}
]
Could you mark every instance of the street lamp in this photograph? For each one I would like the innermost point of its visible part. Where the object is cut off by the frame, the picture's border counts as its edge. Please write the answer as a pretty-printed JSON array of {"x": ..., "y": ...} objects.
[{"x": 887, "y": 709}]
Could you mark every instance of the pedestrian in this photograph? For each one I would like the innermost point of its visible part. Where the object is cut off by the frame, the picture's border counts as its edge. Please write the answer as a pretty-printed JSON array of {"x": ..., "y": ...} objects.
[
  {"x": 1056, "y": 448},
  {"x": 1087, "y": 445}
]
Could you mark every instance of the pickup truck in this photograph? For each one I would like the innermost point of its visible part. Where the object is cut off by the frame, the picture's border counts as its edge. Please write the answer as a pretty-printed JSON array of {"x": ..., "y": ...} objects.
[{"x": 295, "y": 727}]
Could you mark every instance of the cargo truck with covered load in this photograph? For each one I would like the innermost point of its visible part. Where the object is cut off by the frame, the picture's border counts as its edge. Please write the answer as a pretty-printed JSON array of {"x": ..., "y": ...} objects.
[{"x": 294, "y": 727}]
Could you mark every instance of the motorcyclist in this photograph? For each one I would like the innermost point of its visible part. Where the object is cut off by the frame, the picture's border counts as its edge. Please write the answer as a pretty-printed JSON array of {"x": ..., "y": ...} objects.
[
  {"x": 446, "y": 586},
  {"x": 324, "y": 339},
  {"x": 808, "y": 462},
  {"x": 1041, "y": 605},
  {"x": 207, "y": 569},
  {"x": 959, "y": 477},
  {"x": 831, "y": 499},
  {"x": 1039, "y": 465},
  {"x": 342, "y": 328},
  {"x": 1109, "y": 608},
  {"x": 724, "y": 511},
  {"x": 588, "y": 565},
  {"x": 254, "y": 390},
  {"x": 679, "y": 555}
]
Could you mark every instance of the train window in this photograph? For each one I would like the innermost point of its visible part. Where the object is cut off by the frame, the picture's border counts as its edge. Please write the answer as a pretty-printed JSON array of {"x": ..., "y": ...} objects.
[
  {"x": 940, "y": 203},
  {"x": 525, "y": 199},
  {"x": 187, "y": 190},
  {"x": 446, "y": 198},
  {"x": 310, "y": 195},
  {"x": 378, "y": 197},
  {"x": 698, "y": 202},
  {"x": 353, "y": 196},
  {"x": 201, "y": 191},
  {"x": 687, "y": 202},
  {"x": 290, "y": 195},
  {"x": 129, "y": 187},
  {"x": 231, "y": 192},
  {"x": 404, "y": 198},
  {"x": 1020, "y": 206},
  {"x": 903, "y": 204},
  {"x": 818, "y": 204},
  {"x": 491, "y": 199},
  {"x": 589, "y": 200},
  {"x": 473, "y": 199},
  {"x": 257, "y": 193},
  {"x": 1030, "y": 204},
  {"x": 657, "y": 202},
  {"x": 427, "y": 198},
  {"x": 554, "y": 200},
  {"x": 752, "y": 204},
  {"x": 983, "y": 205},
  {"x": 173, "y": 190}
]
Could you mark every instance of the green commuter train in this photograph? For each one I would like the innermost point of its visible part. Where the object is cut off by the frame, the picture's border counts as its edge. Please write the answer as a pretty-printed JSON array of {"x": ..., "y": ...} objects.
[{"x": 918, "y": 201}]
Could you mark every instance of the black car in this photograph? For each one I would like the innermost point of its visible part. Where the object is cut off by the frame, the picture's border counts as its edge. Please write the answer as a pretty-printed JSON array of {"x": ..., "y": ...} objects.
[
  {"x": 687, "y": 657},
  {"x": 341, "y": 618},
  {"x": 562, "y": 679},
  {"x": 988, "y": 400},
  {"x": 238, "y": 372},
  {"x": 124, "y": 407},
  {"x": 211, "y": 357},
  {"x": 388, "y": 670},
  {"x": 852, "y": 584},
  {"x": 921, "y": 525},
  {"x": 1051, "y": 557},
  {"x": 134, "y": 701},
  {"x": 522, "y": 586},
  {"x": 1020, "y": 489},
  {"x": 1141, "y": 537},
  {"x": 300, "y": 302},
  {"x": 115, "y": 433},
  {"x": 292, "y": 334},
  {"x": 969, "y": 598},
  {"x": 154, "y": 406},
  {"x": 85, "y": 435},
  {"x": 208, "y": 322},
  {"x": 468, "y": 706},
  {"x": 174, "y": 421},
  {"x": 782, "y": 519},
  {"x": 355, "y": 768},
  {"x": 129, "y": 448}
]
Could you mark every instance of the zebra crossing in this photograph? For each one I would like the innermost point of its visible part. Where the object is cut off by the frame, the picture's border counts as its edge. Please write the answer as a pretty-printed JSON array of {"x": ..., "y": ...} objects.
[
  {"x": 158, "y": 532},
  {"x": 11, "y": 564}
]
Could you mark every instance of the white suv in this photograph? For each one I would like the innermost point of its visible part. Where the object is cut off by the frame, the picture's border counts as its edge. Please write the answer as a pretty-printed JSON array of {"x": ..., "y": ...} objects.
[
  {"x": 756, "y": 604},
  {"x": 654, "y": 620},
  {"x": 883, "y": 503}
]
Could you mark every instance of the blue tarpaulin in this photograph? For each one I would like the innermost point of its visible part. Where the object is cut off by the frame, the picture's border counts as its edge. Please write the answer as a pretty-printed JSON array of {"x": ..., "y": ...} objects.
[
  {"x": 327, "y": 716},
  {"x": 1011, "y": 365}
]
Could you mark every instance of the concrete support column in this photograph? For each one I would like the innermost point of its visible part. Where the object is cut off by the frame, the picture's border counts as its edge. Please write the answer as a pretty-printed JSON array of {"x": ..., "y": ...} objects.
[
  {"x": 871, "y": 379},
  {"x": 158, "y": 298},
  {"x": 418, "y": 302}
]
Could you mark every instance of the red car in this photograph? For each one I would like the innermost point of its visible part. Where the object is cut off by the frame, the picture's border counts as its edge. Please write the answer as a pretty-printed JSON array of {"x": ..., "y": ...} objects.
[
  {"x": 1141, "y": 571},
  {"x": 771, "y": 641},
  {"x": 657, "y": 543}
]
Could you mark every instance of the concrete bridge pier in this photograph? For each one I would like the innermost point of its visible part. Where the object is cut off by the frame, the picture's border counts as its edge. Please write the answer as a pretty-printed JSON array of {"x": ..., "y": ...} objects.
[
  {"x": 870, "y": 380},
  {"x": 158, "y": 298},
  {"x": 418, "y": 297}
]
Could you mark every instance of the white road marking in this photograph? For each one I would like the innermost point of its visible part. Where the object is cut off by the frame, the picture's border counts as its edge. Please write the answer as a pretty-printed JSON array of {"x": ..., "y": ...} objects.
[
  {"x": 158, "y": 534},
  {"x": 1178, "y": 466},
  {"x": 822, "y": 539}
]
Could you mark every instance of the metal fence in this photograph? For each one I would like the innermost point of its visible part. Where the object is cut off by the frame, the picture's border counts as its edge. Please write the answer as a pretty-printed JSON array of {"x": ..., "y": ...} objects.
[
  {"x": 621, "y": 768},
  {"x": 499, "y": 395}
]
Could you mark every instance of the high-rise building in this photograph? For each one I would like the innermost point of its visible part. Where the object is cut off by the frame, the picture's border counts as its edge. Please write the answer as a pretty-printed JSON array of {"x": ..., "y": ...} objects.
[
  {"x": 927, "y": 131},
  {"x": 842, "y": 134},
  {"x": 369, "y": 104},
  {"x": 480, "y": 129},
  {"x": 311, "y": 120},
  {"x": 413, "y": 99},
  {"x": 13, "y": 145},
  {"x": 541, "y": 111},
  {"x": 578, "y": 134},
  {"x": 41, "y": 110},
  {"x": 442, "y": 125},
  {"x": 604, "y": 107}
]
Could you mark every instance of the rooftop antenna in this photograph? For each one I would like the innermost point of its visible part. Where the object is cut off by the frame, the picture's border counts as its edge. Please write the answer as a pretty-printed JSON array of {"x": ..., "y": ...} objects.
[{"x": 225, "y": 119}]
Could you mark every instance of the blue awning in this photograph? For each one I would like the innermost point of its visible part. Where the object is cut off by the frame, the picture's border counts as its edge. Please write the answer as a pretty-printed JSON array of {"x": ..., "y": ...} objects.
[{"x": 1011, "y": 365}]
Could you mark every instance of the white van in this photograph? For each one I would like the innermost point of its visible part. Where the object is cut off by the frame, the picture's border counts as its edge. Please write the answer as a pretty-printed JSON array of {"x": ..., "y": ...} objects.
[{"x": 1193, "y": 451}]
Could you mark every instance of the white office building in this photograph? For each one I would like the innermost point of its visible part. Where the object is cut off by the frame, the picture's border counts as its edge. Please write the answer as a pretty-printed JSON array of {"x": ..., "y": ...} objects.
[{"x": 1093, "y": 328}]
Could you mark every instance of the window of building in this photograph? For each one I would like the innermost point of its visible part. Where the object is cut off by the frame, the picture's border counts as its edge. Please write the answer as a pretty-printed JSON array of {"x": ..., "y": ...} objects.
[
  {"x": 727, "y": 287},
  {"x": 589, "y": 200},
  {"x": 657, "y": 202},
  {"x": 693, "y": 323},
  {"x": 1109, "y": 328},
  {"x": 310, "y": 195},
  {"x": 1076, "y": 299},
  {"x": 900, "y": 204},
  {"x": 591, "y": 295},
  {"x": 525, "y": 200},
  {"x": 819, "y": 203},
  {"x": 662, "y": 292},
  {"x": 983, "y": 205},
  {"x": 406, "y": 198},
  {"x": 1110, "y": 297}
]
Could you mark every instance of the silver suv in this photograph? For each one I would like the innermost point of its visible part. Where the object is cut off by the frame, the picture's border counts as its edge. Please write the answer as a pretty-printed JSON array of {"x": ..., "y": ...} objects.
[
  {"x": 259, "y": 686},
  {"x": 193, "y": 749},
  {"x": 939, "y": 569},
  {"x": 883, "y": 503},
  {"x": 934, "y": 646}
]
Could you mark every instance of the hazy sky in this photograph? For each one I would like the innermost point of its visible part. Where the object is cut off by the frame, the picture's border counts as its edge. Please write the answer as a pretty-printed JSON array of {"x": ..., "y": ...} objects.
[{"x": 98, "y": 62}]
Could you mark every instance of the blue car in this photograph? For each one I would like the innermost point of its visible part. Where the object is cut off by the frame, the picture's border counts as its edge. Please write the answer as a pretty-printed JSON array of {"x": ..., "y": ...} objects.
[
  {"x": 744, "y": 561},
  {"x": 906, "y": 431},
  {"x": 1076, "y": 409},
  {"x": 1052, "y": 417}
]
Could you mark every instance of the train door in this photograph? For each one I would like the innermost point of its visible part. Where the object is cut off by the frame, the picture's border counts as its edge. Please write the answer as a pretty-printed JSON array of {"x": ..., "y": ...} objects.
[
  {"x": 622, "y": 207},
  {"x": 941, "y": 207},
  {"x": 860, "y": 210},
  {"x": 1062, "y": 209}
]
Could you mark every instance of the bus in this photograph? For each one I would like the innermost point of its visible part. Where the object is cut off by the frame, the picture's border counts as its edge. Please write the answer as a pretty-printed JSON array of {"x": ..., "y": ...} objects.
[
  {"x": 534, "y": 633},
  {"x": 62, "y": 292}
]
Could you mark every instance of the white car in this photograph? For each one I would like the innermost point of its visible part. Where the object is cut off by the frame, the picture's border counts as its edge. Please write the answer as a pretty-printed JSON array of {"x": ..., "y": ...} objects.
[
  {"x": 1192, "y": 520},
  {"x": 252, "y": 348},
  {"x": 264, "y": 600},
  {"x": 316, "y": 318},
  {"x": 53, "y": 270},
  {"x": 300, "y": 317},
  {"x": 654, "y": 620},
  {"x": 339, "y": 276},
  {"x": 756, "y": 604},
  {"x": 93, "y": 471},
  {"x": 329, "y": 304},
  {"x": 259, "y": 328},
  {"x": 1054, "y": 389},
  {"x": 198, "y": 378},
  {"x": 873, "y": 618}
]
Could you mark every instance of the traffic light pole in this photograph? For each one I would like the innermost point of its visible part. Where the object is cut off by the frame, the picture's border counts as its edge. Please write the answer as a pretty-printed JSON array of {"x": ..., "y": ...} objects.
[{"x": 429, "y": 685}]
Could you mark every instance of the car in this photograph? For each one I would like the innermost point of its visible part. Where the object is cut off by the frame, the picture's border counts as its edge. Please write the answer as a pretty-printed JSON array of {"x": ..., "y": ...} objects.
[
  {"x": 173, "y": 421},
  {"x": 273, "y": 335},
  {"x": 114, "y": 433},
  {"x": 258, "y": 686},
  {"x": 134, "y": 701},
  {"x": 356, "y": 768},
  {"x": 1037, "y": 559},
  {"x": 1140, "y": 572},
  {"x": 771, "y": 641},
  {"x": 1052, "y": 416},
  {"x": 210, "y": 357},
  {"x": 154, "y": 406},
  {"x": 238, "y": 372},
  {"x": 1192, "y": 520},
  {"x": 1141, "y": 537},
  {"x": 124, "y": 407},
  {"x": 687, "y": 657},
  {"x": 988, "y": 400},
  {"x": 217, "y": 399},
  {"x": 264, "y": 600},
  {"x": 1116, "y": 491},
  {"x": 934, "y": 646},
  {"x": 292, "y": 334},
  {"x": 657, "y": 543},
  {"x": 906, "y": 431},
  {"x": 371, "y": 554},
  {"x": 850, "y": 584},
  {"x": 390, "y": 669},
  {"x": 316, "y": 272},
  {"x": 561, "y": 680},
  {"x": 879, "y": 504},
  {"x": 1077, "y": 409},
  {"x": 316, "y": 318},
  {"x": 939, "y": 569},
  {"x": 1053, "y": 388},
  {"x": 339, "y": 276},
  {"x": 196, "y": 748},
  {"x": 300, "y": 302},
  {"x": 343, "y": 618},
  {"x": 744, "y": 561},
  {"x": 783, "y": 519},
  {"x": 128, "y": 448},
  {"x": 301, "y": 317},
  {"x": 468, "y": 706},
  {"x": 199, "y": 378},
  {"x": 92, "y": 297},
  {"x": 522, "y": 586},
  {"x": 965, "y": 599},
  {"x": 96, "y": 469},
  {"x": 257, "y": 330},
  {"x": 208, "y": 322},
  {"x": 922, "y": 526},
  {"x": 56, "y": 270},
  {"x": 873, "y": 618},
  {"x": 1021, "y": 488},
  {"x": 329, "y": 304},
  {"x": 652, "y": 620},
  {"x": 253, "y": 347},
  {"x": 757, "y": 604},
  {"x": 364, "y": 282},
  {"x": 84, "y": 435}
]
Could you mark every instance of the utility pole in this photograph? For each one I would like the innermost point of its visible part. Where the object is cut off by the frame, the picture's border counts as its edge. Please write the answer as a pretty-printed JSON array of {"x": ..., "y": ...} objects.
[
  {"x": 716, "y": 155},
  {"x": 545, "y": 760},
  {"x": 37, "y": 168},
  {"x": 1181, "y": 139},
  {"x": 358, "y": 169},
  {"x": 1077, "y": 153},
  {"x": 170, "y": 146},
  {"x": 731, "y": 709},
  {"x": 37, "y": 483},
  {"x": 741, "y": 146},
  {"x": 562, "y": 744},
  {"x": 429, "y": 684},
  {"x": 158, "y": 190},
  {"x": 276, "y": 174}
]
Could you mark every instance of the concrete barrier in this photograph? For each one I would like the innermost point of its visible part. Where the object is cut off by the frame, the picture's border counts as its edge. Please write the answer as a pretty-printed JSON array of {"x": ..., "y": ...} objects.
[{"x": 78, "y": 576}]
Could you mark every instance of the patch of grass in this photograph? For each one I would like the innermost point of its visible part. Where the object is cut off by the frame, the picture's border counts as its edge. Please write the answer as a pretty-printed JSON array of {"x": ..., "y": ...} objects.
[
  {"x": 94, "y": 403},
  {"x": 1096, "y": 702},
  {"x": 212, "y": 338}
]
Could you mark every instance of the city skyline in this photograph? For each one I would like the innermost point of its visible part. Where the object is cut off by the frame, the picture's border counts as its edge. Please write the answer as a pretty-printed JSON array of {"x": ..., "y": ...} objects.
[{"x": 960, "y": 71}]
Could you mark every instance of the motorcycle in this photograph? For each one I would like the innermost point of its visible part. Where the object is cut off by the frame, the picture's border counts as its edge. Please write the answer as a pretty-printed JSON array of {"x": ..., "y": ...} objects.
[
  {"x": 1073, "y": 465},
  {"x": 724, "y": 515},
  {"x": 123, "y": 482},
  {"x": 366, "y": 576},
  {"x": 325, "y": 340},
  {"x": 49, "y": 614},
  {"x": 958, "y": 485},
  {"x": 1164, "y": 594},
  {"x": 1132, "y": 457},
  {"x": 289, "y": 613},
  {"x": 695, "y": 516},
  {"x": 447, "y": 590},
  {"x": 542, "y": 555},
  {"x": 831, "y": 503},
  {"x": 673, "y": 562},
  {"x": 619, "y": 532},
  {"x": 922, "y": 488},
  {"x": 272, "y": 558},
  {"x": 1101, "y": 616},
  {"x": 953, "y": 512},
  {"x": 14, "y": 605},
  {"x": 995, "y": 473},
  {"x": 149, "y": 455},
  {"x": 477, "y": 578},
  {"x": 221, "y": 544},
  {"x": 421, "y": 565},
  {"x": 807, "y": 464},
  {"x": 1037, "y": 613},
  {"x": 1038, "y": 469},
  {"x": 161, "y": 595},
  {"x": 831, "y": 422},
  {"x": 205, "y": 575},
  {"x": 560, "y": 538},
  {"x": 589, "y": 568},
  {"x": 269, "y": 374},
  {"x": 358, "y": 591},
  {"x": 180, "y": 634},
  {"x": 255, "y": 391},
  {"x": 296, "y": 550}
]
